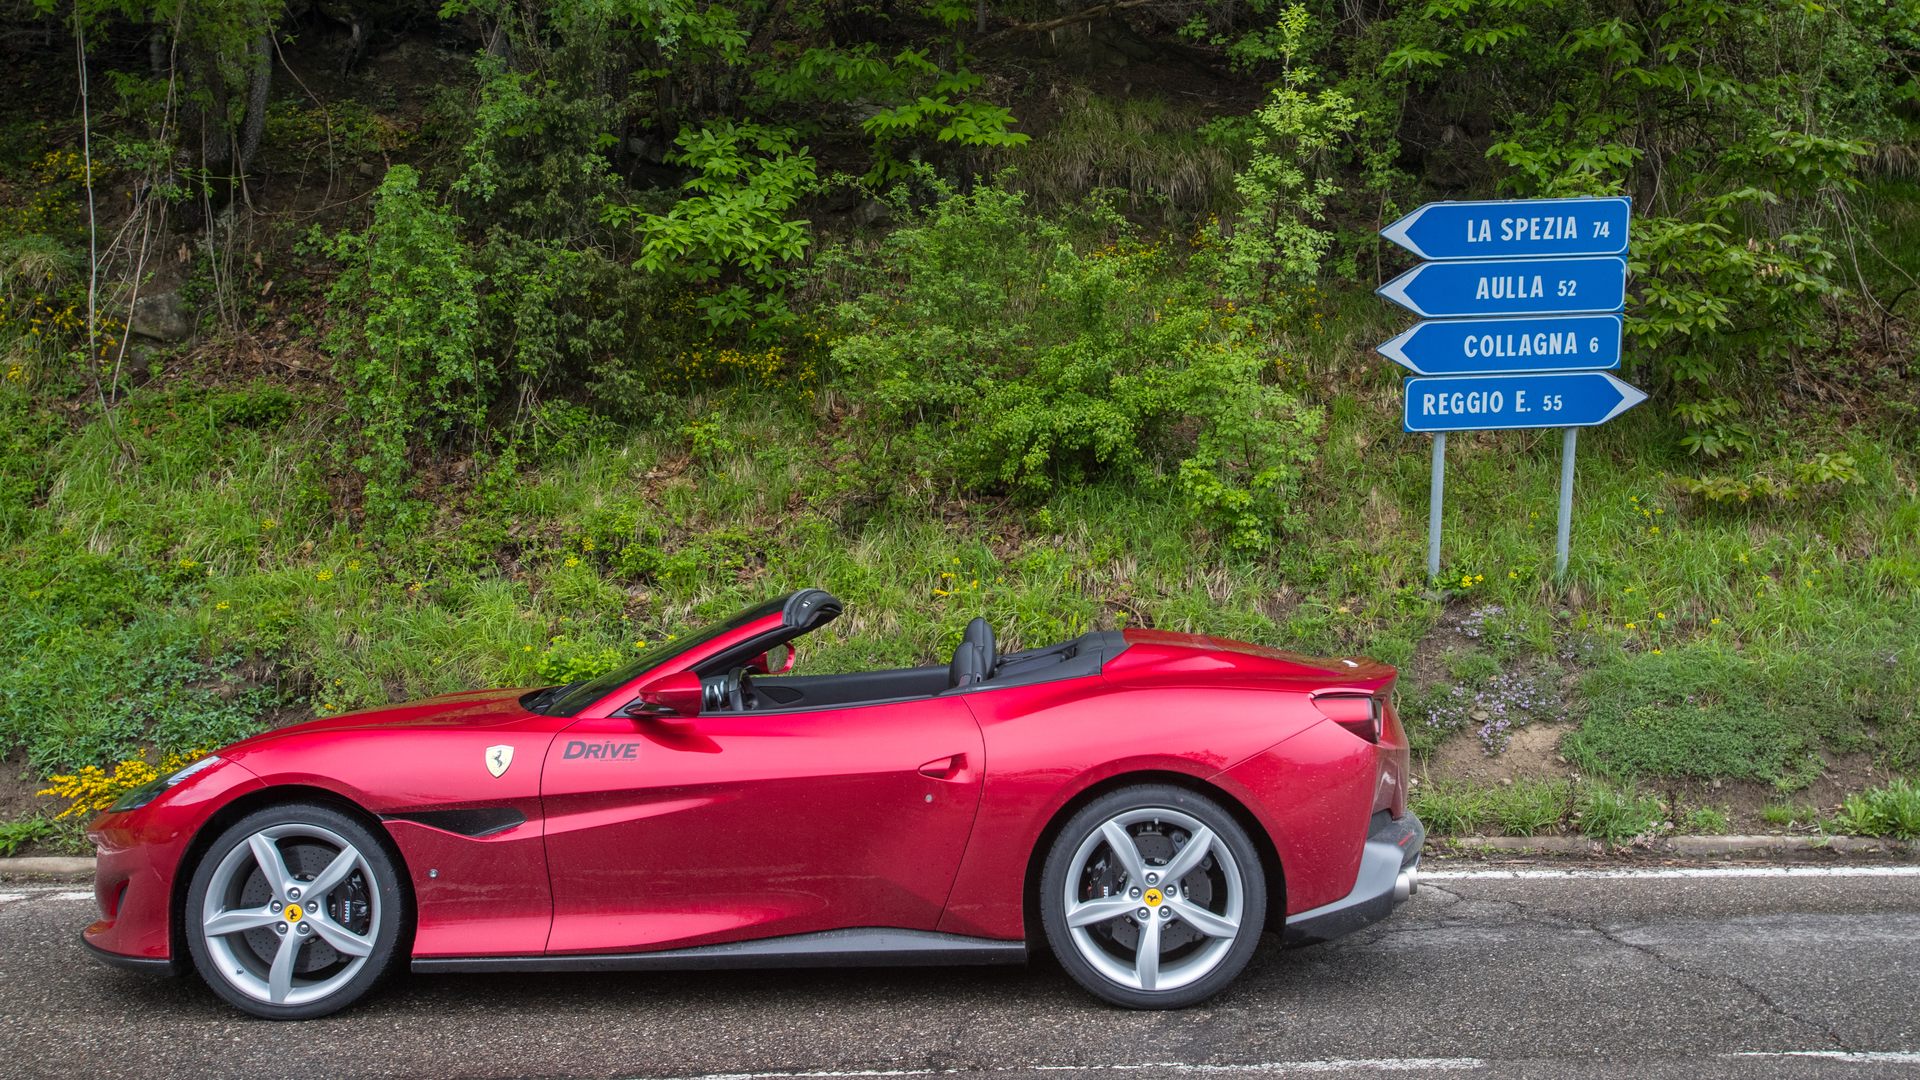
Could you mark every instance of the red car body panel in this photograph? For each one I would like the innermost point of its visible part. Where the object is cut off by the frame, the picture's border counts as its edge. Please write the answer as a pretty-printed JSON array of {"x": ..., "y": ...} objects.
[
  {"x": 754, "y": 825},
  {"x": 617, "y": 834}
]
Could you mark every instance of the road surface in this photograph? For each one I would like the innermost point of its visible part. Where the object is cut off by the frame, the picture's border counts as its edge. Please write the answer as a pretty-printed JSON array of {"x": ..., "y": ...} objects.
[{"x": 1543, "y": 972}]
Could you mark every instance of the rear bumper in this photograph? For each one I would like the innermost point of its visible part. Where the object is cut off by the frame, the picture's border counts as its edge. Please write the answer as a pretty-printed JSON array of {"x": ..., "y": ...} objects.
[{"x": 1389, "y": 873}]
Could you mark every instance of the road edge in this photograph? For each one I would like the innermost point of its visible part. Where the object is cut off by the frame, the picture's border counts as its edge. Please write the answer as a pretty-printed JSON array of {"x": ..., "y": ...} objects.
[
  {"x": 1696, "y": 847},
  {"x": 80, "y": 868}
]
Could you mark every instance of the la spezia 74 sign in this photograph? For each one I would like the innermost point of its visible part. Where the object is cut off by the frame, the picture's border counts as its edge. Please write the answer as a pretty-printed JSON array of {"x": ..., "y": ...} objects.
[
  {"x": 1521, "y": 299},
  {"x": 1507, "y": 228}
]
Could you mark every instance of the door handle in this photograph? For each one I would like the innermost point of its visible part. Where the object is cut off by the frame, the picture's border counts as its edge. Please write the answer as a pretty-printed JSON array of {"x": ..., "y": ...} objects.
[{"x": 950, "y": 768}]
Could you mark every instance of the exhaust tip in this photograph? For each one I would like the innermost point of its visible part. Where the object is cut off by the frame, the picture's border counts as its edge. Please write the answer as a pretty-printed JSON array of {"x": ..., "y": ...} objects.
[{"x": 1405, "y": 885}]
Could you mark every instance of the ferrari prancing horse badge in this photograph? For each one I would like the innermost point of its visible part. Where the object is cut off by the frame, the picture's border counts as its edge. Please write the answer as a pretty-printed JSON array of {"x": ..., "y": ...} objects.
[{"x": 498, "y": 758}]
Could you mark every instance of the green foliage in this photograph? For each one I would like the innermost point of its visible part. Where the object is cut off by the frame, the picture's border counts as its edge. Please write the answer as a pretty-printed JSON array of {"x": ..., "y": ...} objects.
[
  {"x": 1154, "y": 148},
  {"x": 1892, "y": 810},
  {"x": 732, "y": 232},
  {"x": 1520, "y": 808},
  {"x": 1616, "y": 815},
  {"x": 1110, "y": 365},
  {"x": 92, "y": 682},
  {"x": 1741, "y": 129},
  {"x": 1708, "y": 820},
  {"x": 1701, "y": 712},
  {"x": 565, "y": 660},
  {"x": 536, "y": 156},
  {"x": 24, "y": 832},
  {"x": 404, "y": 336},
  {"x": 1280, "y": 237}
]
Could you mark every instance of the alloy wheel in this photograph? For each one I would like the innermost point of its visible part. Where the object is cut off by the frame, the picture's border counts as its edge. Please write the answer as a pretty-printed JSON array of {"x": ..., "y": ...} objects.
[
  {"x": 291, "y": 914},
  {"x": 1154, "y": 900}
]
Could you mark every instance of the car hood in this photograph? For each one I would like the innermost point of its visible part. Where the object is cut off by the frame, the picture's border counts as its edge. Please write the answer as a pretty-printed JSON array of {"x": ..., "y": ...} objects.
[{"x": 469, "y": 709}]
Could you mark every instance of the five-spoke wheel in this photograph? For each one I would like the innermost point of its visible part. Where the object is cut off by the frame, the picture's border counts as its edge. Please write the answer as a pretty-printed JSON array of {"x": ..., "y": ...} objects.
[
  {"x": 1153, "y": 897},
  {"x": 294, "y": 912}
]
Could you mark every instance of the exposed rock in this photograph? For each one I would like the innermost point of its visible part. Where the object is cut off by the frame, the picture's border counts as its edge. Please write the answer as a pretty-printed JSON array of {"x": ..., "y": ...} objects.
[{"x": 163, "y": 316}]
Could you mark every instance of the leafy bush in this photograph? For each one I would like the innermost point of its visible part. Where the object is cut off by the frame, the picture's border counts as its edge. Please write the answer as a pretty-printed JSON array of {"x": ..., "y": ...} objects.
[
  {"x": 1892, "y": 810},
  {"x": 405, "y": 334},
  {"x": 1294, "y": 143},
  {"x": 733, "y": 228},
  {"x": 22, "y": 832},
  {"x": 1021, "y": 356}
]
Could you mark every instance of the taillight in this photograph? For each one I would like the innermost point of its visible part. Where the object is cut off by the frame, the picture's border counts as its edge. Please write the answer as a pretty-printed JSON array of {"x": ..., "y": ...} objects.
[{"x": 1358, "y": 713}]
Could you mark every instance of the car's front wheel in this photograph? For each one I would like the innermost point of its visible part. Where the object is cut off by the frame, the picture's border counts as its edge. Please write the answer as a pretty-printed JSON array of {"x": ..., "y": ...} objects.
[
  {"x": 294, "y": 912},
  {"x": 1153, "y": 897}
]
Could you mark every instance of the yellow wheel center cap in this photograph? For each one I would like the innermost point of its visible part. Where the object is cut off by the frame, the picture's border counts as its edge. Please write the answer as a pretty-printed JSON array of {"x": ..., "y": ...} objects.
[
  {"x": 1153, "y": 898},
  {"x": 293, "y": 912}
]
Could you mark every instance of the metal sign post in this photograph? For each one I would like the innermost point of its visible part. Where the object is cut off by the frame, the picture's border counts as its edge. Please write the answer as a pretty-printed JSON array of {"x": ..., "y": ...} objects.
[
  {"x": 1436, "y": 487},
  {"x": 1565, "y": 530},
  {"x": 1521, "y": 299}
]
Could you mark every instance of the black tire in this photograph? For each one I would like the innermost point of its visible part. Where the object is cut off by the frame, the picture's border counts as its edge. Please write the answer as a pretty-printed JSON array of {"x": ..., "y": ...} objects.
[
  {"x": 1203, "y": 889},
  {"x": 370, "y": 896}
]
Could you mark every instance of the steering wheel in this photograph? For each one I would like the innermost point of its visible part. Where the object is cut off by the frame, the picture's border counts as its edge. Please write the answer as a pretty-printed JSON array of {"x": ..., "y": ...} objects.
[{"x": 738, "y": 687}]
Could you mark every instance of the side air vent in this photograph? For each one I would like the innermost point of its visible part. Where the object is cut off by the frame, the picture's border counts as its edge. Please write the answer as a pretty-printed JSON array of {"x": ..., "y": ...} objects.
[{"x": 475, "y": 822}]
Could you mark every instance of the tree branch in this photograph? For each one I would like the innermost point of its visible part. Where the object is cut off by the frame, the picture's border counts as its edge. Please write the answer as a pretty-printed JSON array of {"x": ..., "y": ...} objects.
[{"x": 1044, "y": 25}]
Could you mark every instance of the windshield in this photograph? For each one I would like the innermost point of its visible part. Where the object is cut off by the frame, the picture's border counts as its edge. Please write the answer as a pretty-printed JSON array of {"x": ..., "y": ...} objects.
[{"x": 569, "y": 698}]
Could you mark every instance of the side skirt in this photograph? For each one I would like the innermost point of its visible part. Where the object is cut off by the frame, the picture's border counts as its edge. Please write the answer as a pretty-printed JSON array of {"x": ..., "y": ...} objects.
[{"x": 869, "y": 947}]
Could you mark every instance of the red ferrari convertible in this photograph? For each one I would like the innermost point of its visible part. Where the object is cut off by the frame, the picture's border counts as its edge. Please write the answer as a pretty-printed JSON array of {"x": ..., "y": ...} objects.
[{"x": 1143, "y": 803}]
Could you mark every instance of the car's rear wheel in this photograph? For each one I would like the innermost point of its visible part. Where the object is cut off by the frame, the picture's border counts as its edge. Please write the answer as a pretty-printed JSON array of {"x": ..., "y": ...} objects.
[
  {"x": 1153, "y": 897},
  {"x": 294, "y": 912}
]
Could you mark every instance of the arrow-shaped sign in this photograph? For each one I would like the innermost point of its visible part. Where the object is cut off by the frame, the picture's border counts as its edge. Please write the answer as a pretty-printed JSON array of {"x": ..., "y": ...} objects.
[
  {"x": 1481, "y": 402},
  {"x": 1507, "y": 229},
  {"x": 1492, "y": 346},
  {"x": 1511, "y": 287}
]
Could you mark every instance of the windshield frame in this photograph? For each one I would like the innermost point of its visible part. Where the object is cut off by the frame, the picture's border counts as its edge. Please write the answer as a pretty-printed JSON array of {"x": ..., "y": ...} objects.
[
  {"x": 572, "y": 699},
  {"x": 735, "y": 640}
]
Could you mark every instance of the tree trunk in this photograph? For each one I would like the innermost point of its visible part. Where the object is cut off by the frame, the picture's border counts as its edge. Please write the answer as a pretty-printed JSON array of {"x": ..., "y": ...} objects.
[{"x": 259, "y": 82}]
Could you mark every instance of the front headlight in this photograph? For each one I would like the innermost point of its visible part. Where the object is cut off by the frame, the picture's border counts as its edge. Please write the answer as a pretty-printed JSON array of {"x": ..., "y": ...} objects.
[{"x": 149, "y": 791}]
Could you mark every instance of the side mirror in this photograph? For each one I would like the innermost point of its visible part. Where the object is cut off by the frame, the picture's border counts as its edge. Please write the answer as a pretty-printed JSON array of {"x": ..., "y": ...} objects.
[
  {"x": 775, "y": 661},
  {"x": 678, "y": 695}
]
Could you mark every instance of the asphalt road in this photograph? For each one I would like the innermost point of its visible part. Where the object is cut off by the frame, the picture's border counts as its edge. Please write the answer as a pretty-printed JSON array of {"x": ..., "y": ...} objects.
[{"x": 1537, "y": 976}]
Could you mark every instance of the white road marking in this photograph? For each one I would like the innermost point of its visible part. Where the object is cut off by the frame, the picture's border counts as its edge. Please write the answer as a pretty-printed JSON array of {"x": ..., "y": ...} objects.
[
  {"x": 1282, "y": 1068},
  {"x": 73, "y": 895},
  {"x": 1659, "y": 872},
  {"x": 6, "y": 897},
  {"x": 1322, "y": 1065},
  {"x": 1864, "y": 1057}
]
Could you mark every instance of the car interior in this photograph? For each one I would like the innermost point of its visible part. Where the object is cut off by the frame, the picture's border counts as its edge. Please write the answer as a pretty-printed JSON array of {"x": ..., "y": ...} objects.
[{"x": 731, "y": 684}]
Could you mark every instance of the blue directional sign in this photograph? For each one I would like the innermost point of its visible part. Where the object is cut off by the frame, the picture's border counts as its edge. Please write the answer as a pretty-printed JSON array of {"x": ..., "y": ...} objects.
[
  {"x": 1484, "y": 402},
  {"x": 1511, "y": 229},
  {"x": 1483, "y": 346},
  {"x": 1511, "y": 287}
]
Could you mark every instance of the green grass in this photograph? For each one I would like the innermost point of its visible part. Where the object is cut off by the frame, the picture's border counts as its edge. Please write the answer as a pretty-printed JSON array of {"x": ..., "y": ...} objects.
[
  {"x": 1616, "y": 815},
  {"x": 1711, "y": 820},
  {"x": 1522, "y": 808},
  {"x": 1790, "y": 815}
]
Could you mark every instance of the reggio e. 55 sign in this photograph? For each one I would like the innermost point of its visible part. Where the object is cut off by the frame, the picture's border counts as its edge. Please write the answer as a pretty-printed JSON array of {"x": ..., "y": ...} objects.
[{"x": 1521, "y": 301}]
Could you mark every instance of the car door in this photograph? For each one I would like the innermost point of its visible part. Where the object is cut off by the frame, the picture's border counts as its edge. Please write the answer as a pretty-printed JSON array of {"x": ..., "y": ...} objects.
[{"x": 731, "y": 826}]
